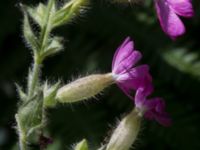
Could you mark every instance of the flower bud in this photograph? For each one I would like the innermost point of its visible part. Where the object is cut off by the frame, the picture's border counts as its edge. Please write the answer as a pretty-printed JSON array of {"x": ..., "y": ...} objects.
[
  {"x": 84, "y": 88},
  {"x": 126, "y": 132}
]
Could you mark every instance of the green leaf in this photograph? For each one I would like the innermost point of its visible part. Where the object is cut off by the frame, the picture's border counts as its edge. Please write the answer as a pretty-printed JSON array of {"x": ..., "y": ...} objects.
[
  {"x": 38, "y": 13},
  {"x": 30, "y": 112},
  {"x": 21, "y": 93},
  {"x": 184, "y": 61},
  {"x": 82, "y": 145},
  {"x": 54, "y": 47},
  {"x": 68, "y": 11},
  {"x": 61, "y": 16},
  {"x": 29, "y": 36},
  {"x": 49, "y": 93}
]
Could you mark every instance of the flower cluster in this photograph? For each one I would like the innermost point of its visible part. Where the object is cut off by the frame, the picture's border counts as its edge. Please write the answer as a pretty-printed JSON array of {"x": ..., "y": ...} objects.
[
  {"x": 135, "y": 81},
  {"x": 138, "y": 79}
]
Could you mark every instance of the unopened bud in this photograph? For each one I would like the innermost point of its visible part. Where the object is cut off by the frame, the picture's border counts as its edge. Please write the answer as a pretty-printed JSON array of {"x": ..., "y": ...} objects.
[
  {"x": 84, "y": 88},
  {"x": 126, "y": 132}
]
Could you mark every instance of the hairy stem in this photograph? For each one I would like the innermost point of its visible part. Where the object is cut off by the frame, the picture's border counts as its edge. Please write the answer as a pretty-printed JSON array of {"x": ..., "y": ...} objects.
[
  {"x": 35, "y": 76},
  {"x": 43, "y": 41},
  {"x": 22, "y": 134}
]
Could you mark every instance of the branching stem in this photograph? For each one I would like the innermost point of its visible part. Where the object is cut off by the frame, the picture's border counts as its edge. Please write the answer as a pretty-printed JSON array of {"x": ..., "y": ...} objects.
[{"x": 43, "y": 41}]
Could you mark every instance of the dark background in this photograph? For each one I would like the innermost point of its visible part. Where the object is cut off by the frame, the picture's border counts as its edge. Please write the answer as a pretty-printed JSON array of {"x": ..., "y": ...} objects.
[{"x": 90, "y": 42}]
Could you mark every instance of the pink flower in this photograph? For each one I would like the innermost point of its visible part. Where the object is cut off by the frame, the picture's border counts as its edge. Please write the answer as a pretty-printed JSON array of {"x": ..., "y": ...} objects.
[
  {"x": 152, "y": 109},
  {"x": 127, "y": 77},
  {"x": 137, "y": 78},
  {"x": 168, "y": 12}
]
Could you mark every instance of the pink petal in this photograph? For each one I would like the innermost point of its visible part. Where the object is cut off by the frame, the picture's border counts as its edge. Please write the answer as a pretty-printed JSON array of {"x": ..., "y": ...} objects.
[
  {"x": 138, "y": 72},
  {"x": 140, "y": 98},
  {"x": 182, "y": 7},
  {"x": 170, "y": 22},
  {"x": 147, "y": 85},
  {"x": 118, "y": 51},
  {"x": 126, "y": 64},
  {"x": 155, "y": 109},
  {"x": 138, "y": 77},
  {"x": 125, "y": 57}
]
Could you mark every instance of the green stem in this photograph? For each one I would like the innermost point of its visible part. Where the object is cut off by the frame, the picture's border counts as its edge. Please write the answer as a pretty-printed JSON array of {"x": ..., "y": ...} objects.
[
  {"x": 35, "y": 77},
  {"x": 22, "y": 134},
  {"x": 37, "y": 57},
  {"x": 34, "y": 80}
]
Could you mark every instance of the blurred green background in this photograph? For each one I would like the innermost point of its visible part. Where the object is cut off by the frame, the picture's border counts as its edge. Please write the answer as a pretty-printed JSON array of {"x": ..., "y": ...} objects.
[{"x": 90, "y": 41}]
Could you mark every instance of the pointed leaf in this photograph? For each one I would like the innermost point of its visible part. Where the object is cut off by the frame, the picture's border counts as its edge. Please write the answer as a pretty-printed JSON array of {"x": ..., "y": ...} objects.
[
  {"x": 68, "y": 11},
  {"x": 38, "y": 13},
  {"x": 54, "y": 47},
  {"x": 82, "y": 145},
  {"x": 29, "y": 36},
  {"x": 184, "y": 61},
  {"x": 21, "y": 93},
  {"x": 49, "y": 93}
]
